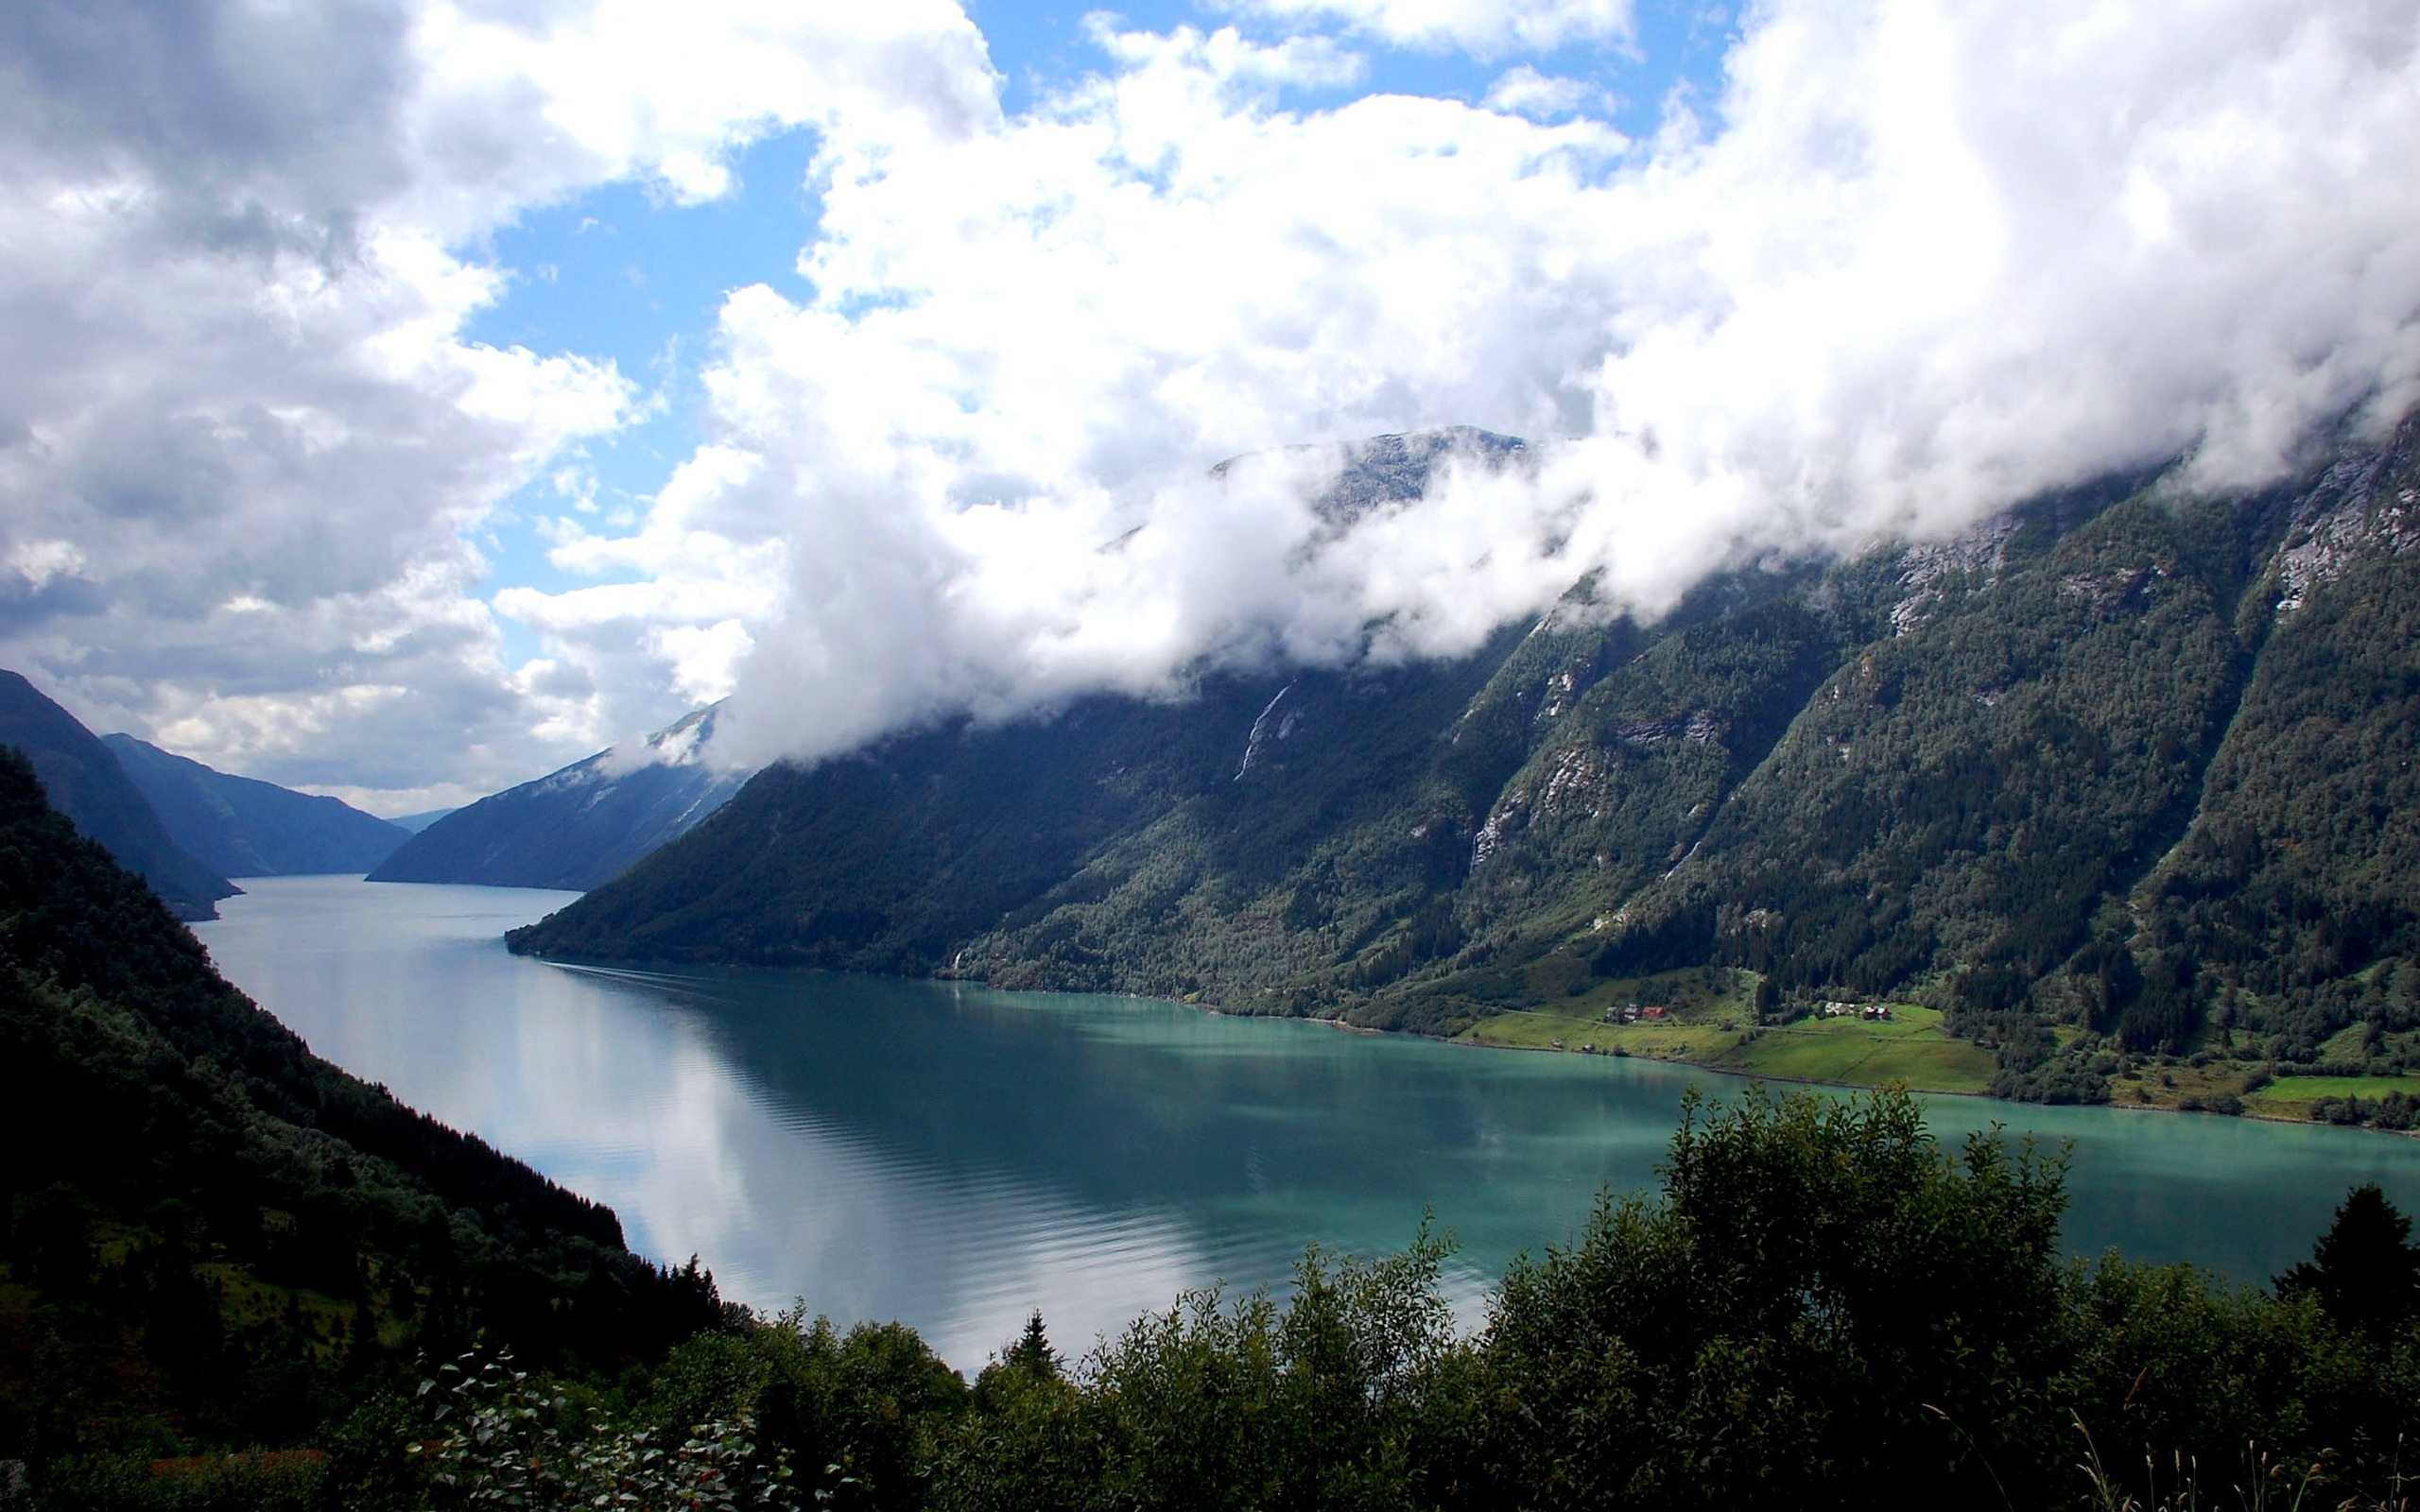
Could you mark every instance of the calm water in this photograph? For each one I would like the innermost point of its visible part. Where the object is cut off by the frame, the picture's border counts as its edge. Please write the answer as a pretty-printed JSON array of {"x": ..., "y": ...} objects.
[{"x": 955, "y": 1158}]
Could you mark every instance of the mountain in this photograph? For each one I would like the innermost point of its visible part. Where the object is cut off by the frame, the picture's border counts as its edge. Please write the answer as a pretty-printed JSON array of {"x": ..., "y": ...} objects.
[
  {"x": 577, "y": 828},
  {"x": 414, "y": 823},
  {"x": 252, "y": 828},
  {"x": 85, "y": 781},
  {"x": 211, "y": 1231},
  {"x": 233, "y": 1276},
  {"x": 2121, "y": 776}
]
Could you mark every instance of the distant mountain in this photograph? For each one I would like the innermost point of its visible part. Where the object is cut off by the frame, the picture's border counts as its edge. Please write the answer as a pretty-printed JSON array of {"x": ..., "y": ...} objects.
[
  {"x": 577, "y": 828},
  {"x": 414, "y": 823},
  {"x": 86, "y": 784},
  {"x": 2116, "y": 775},
  {"x": 246, "y": 828}
]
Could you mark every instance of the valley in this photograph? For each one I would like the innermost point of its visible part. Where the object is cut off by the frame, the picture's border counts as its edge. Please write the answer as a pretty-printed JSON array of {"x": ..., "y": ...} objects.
[
  {"x": 1231, "y": 756},
  {"x": 954, "y": 1155}
]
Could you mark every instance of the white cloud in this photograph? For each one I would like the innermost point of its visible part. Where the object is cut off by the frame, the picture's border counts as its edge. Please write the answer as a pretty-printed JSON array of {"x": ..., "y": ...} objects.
[
  {"x": 1920, "y": 259},
  {"x": 1928, "y": 260},
  {"x": 1524, "y": 90},
  {"x": 242, "y": 439},
  {"x": 1486, "y": 29}
]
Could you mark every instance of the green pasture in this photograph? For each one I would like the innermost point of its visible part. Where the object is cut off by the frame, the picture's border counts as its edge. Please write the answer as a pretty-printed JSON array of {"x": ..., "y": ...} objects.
[
  {"x": 2292, "y": 1096},
  {"x": 1909, "y": 1047},
  {"x": 1669, "y": 1039}
]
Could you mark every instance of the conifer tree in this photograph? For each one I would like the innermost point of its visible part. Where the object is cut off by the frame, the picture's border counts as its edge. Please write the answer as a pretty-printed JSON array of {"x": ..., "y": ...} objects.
[{"x": 2364, "y": 1271}]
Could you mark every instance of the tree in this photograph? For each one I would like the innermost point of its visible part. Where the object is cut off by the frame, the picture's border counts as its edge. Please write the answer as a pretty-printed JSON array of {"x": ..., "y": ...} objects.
[
  {"x": 1031, "y": 1352},
  {"x": 2364, "y": 1272},
  {"x": 1824, "y": 1308}
]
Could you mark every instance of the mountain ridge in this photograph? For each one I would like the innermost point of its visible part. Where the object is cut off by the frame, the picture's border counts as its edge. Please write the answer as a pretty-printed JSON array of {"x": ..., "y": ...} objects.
[
  {"x": 578, "y": 826},
  {"x": 243, "y": 827},
  {"x": 2051, "y": 777},
  {"x": 88, "y": 785}
]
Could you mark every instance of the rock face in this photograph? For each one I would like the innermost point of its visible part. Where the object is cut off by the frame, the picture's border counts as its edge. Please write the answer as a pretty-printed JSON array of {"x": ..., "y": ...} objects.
[
  {"x": 577, "y": 828},
  {"x": 86, "y": 784},
  {"x": 2120, "y": 762},
  {"x": 245, "y": 828}
]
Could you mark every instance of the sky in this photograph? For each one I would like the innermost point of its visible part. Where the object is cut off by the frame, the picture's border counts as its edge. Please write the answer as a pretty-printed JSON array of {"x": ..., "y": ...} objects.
[{"x": 409, "y": 396}]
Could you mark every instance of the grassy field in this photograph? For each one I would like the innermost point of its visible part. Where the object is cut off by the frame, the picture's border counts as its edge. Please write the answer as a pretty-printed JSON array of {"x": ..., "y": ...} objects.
[
  {"x": 1712, "y": 1029},
  {"x": 2292, "y": 1097},
  {"x": 1674, "y": 1041},
  {"x": 1910, "y": 1048},
  {"x": 1710, "y": 1020}
]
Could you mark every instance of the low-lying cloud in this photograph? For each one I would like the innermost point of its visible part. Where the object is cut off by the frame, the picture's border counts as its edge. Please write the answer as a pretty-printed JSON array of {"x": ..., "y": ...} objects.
[
  {"x": 1920, "y": 261},
  {"x": 1912, "y": 261}
]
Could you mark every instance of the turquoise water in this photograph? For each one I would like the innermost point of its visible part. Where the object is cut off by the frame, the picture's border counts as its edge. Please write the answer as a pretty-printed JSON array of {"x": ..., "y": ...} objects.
[{"x": 955, "y": 1158}]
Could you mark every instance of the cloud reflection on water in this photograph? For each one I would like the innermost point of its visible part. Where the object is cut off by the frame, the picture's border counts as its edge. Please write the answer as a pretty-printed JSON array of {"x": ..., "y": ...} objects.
[
  {"x": 592, "y": 1080},
  {"x": 955, "y": 1158}
]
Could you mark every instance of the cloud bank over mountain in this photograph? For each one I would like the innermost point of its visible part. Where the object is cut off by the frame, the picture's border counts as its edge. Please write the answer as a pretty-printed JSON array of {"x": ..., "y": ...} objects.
[
  {"x": 1912, "y": 262},
  {"x": 1920, "y": 263}
]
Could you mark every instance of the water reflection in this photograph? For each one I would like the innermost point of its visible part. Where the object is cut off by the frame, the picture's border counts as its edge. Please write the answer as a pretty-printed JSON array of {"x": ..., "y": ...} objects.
[{"x": 955, "y": 1158}]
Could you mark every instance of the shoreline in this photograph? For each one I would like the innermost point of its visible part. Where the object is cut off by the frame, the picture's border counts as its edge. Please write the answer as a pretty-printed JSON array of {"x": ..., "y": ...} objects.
[
  {"x": 1744, "y": 1074},
  {"x": 1738, "y": 1072}
]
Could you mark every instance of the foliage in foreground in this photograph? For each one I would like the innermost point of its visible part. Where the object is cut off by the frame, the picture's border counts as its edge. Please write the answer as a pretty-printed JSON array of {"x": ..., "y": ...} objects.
[{"x": 1822, "y": 1308}]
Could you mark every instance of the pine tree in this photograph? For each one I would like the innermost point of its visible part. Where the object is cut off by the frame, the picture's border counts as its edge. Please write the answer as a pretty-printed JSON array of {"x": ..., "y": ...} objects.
[
  {"x": 2364, "y": 1271},
  {"x": 1031, "y": 1352}
]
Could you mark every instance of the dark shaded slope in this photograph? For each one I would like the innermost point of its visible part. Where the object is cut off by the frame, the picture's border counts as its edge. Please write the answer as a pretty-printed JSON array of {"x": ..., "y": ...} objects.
[
  {"x": 1408, "y": 820},
  {"x": 215, "y": 1230},
  {"x": 89, "y": 786},
  {"x": 1633, "y": 777},
  {"x": 245, "y": 828},
  {"x": 887, "y": 860},
  {"x": 577, "y": 828},
  {"x": 1337, "y": 824}
]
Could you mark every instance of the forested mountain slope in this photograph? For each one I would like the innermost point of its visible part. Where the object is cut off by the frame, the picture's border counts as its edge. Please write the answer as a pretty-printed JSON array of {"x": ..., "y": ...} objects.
[
  {"x": 576, "y": 828},
  {"x": 2121, "y": 772},
  {"x": 210, "y": 1230},
  {"x": 245, "y": 828},
  {"x": 94, "y": 791}
]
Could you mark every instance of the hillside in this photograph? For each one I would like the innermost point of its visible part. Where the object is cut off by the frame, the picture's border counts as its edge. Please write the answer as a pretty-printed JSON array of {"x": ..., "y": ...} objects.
[
  {"x": 2118, "y": 780},
  {"x": 245, "y": 828},
  {"x": 214, "y": 1235},
  {"x": 234, "y": 1277},
  {"x": 577, "y": 828},
  {"x": 87, "y": 784}
]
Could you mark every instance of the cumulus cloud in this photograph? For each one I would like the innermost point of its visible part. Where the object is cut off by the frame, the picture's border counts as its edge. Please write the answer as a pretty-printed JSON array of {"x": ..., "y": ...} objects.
[
  {"x": 1524, "y": 90},
  {"x": 1922, "y": 261},
  {"x": 243, "y": 443}
]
